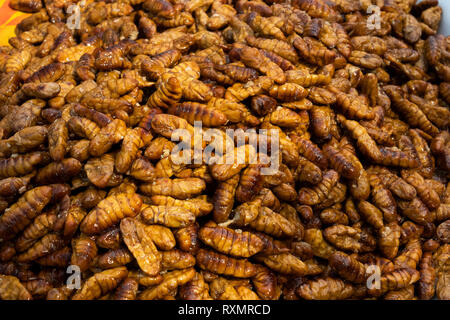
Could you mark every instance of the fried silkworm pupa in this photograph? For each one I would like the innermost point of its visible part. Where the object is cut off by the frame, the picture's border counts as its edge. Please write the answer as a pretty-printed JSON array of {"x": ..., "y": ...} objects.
[
  {"x": 114, "y": 258},
  {"x": 196, "y": 289},
  {"x": 426, "y": 288},
  {"x": 141, "y": 245},
  {"x": 40, "y": 226},
  {"x": 262, "y": 104},
  {"x": 325, "y": 289},
  {"x": 46, "y": 245},
  {"x": 162, "y": 236},
  {"x": 348, "y": 267},
  {"x": 333, "y": 216},
  {"x": 371, "y": 214},
  {"x": 177, "y": 188},
  {"x": 176, "y": 259},
  {"x": 127, "y": 290},
  {"x": 144, "y": 279},
  {"x": 199, "y": 206},
  {"x": 307, "y": 171},
  {"x": 284, "y": 263},
  {"x": 110, "y": 211},
  {"x": 412, "y": 113},
  {"x": 24, "y": 140},
  {"x": 100, "y": 284},
  {"x": 59, "y": 258},
  {"x": 253, "y": 58},
  {"x": 193, "y": 111},
  {"x": 173, "y": 217},
  {"x": 233, "y": 163},
  {"x": 228, "y": 241},
  {"x": 57, "y": 172},
  {"x": 222, "y": 264},
  {"x": 83, "y": 127},
  {"x": 340, "y": 163},
  {"x": 7, "y": 251},
  {"x": 395, "y": 280},
  {"x": 364, "y": 142},
  {"x": 131, "y": 144},
  {"x": 58, "y": 136},
  {"x": 100, "y": 170},
  {"x": 159, "y": 147},
  {"x": 406, "y": 293},
  {"x": 318, "y": 193},
  {"x": 428, "y": 195},
  {"x": 389, "y": 241},
  {"x": 349, "y": 238},
  {"x": 109, "y": 239},
  {"x": 12, "y": 289},
  {"x": 264, "y": 220},
  {"x": 223, "y": 289},
  {"x": 22, "y": 164},
  {"x": 14, "y": 185},
  {"x": 223, "y": 198},
  {"x": 266, "y": 284},
  {"x": 410, "y": 255},
  {"x": 187, "y": 238},
  {"x": 107, "y": 136},
  {"x": 20, "y": 214},
  {"x": 168, "y": 92},
  {"x": 250, "y": 183},
  {"x": 84, "y": 252}
]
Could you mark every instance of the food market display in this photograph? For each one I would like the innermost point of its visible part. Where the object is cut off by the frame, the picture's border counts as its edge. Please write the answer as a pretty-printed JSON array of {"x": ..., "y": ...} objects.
[{"x": 334, "y": 113}]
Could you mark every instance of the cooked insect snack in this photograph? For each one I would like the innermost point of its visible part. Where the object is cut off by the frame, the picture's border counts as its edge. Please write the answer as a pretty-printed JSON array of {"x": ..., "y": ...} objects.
[{"x": 227, "y": 150}]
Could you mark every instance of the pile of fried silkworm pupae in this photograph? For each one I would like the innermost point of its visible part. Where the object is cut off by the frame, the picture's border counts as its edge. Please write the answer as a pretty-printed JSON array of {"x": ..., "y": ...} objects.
[{"x": 358, "y": 208}]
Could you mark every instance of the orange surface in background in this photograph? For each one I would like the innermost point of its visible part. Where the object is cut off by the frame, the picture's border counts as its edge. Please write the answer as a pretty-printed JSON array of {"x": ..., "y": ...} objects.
[{"x": 9, "y": 18}]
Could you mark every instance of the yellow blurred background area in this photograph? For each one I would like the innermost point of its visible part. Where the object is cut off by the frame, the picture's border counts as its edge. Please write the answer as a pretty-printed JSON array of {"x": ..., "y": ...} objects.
[{"x": 9, "y": 18}]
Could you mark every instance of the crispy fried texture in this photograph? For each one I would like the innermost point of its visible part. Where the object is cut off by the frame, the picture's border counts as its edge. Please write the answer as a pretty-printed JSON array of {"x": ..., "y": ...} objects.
[
  {"x": 106, "y": 137},
  {"x": 178, "y": 188},
  {"x": 141, "y": 245},
  {"x": 110, "y": 211},
  {"x": 100, "y": 284},
  {"x": 171, "y": 281},
  {"x": 24, "y": 211},
  {"x": 14, "y": 185},
  {"x": 427, "y": 277},
  {"x": 325, "y": 289},
  {"x": 57, "y": 172},
  {"x": 348, "y": 267},
  {"x": 285, "y": 263},
  {"x": 323, "y": 150},
  {"x": 127, "y": 290},
  {"x": 389, "y": 240},
  {"x": 187, "y": 238},
  {"x": 228, "y": 241},
  {"x": 317, "y": 194},
  {"x": 46, "y": 245},
  {"x": 221, "y": 264},
  {"x": 114, "y": 258},
  {"x": 131, "y": 144},
  {"x": 174, "y": 217},
  {"x": 396, "y": 280},
  {"x": 319, "y": 246},
  {"x": 223, "y": 199},
  {"x": 349, "y": 238},
  {"x": 196, "y": 289},
  {"x": 22, "y": 164},
  {"x": 12, "y": 289},
  {"x": 84, "y": 252},
  {"x": 40, "y": 226}
]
